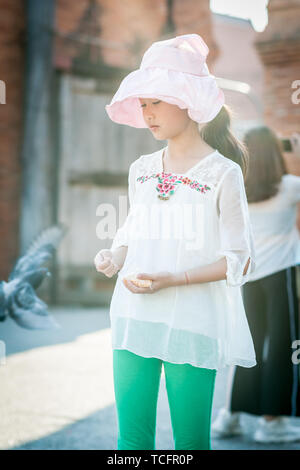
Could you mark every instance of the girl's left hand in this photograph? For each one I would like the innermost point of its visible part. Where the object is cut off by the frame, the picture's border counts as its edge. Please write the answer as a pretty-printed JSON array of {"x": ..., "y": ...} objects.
[{"x": 160, "y": 280}]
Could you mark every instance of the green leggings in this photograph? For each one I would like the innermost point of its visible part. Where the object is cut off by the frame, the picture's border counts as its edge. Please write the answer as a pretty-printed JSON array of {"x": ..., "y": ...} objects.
[{"x": 190, "y": 395}]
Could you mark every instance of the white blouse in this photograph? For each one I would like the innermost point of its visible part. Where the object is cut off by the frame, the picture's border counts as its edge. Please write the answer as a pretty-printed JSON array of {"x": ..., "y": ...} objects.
[
  {"x": 274, "y": 224},
  {"x": 202, "y": 324}
]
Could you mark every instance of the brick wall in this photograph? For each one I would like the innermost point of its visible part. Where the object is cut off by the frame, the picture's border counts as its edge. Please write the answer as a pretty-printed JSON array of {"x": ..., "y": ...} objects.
[
  {"x": 12, "y": 73},
  {"x": 127, "y": 29},
  {"x": 279, "y": 49}
]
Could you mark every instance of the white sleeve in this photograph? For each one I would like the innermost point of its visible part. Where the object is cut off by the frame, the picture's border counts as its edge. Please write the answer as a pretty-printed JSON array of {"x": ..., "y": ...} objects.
[
  {"x": 236, "y": 236},
  {"x": 122, "y": 235},
  {"x": 293, "y": 184}
]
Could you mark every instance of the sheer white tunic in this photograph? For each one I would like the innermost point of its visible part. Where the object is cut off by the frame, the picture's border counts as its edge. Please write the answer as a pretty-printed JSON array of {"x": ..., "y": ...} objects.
[{"x": 205, "y": 324}]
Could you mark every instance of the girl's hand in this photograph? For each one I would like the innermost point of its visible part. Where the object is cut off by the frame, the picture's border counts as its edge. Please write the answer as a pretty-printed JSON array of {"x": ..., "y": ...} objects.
[
  {"x": 104, "y": 263},
  {"x": 160, "y": 280}
]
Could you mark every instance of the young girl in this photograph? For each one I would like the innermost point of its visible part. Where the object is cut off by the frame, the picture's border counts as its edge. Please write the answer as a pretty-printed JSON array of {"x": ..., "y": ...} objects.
[
  {"x": 188, "y": 238},
  {"x": 271, "y": 389}
]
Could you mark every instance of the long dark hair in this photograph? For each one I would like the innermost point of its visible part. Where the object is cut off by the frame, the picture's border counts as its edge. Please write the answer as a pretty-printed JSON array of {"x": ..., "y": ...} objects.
[
  {"x": 266, "y": 164},
  {"x": 217, "y": 133}
]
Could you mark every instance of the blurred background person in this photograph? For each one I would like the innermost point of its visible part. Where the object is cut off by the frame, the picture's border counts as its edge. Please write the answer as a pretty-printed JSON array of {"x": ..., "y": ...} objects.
[{"x": 271, "y": 389}]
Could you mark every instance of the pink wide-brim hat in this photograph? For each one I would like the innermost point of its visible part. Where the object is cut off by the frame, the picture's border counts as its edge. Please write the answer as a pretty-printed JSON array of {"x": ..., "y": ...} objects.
[{"x": 175, "y": 71}]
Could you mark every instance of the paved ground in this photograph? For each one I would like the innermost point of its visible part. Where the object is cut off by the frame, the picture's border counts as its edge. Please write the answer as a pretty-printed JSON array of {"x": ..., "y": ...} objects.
[{"x": 57, "y": 389}]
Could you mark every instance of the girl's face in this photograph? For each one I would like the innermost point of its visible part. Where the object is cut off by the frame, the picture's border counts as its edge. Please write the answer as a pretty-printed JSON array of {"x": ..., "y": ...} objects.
[{"x": 170, "y": 119}]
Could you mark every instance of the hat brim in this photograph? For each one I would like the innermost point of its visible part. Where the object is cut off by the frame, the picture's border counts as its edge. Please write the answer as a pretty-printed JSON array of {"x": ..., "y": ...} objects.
[{"x": 199, "y": 95}]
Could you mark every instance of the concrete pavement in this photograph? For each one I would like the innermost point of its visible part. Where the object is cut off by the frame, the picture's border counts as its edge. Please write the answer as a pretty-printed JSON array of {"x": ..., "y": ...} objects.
[{"x": 57, "y": 389}]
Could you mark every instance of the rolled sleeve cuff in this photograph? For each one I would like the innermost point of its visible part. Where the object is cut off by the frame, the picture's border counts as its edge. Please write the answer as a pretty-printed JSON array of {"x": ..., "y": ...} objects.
[{"x": 236, "y": 263}]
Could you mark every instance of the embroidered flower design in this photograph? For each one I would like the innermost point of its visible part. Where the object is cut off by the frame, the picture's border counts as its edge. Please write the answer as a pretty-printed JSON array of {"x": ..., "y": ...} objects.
[{"x": 167, "y": 183}]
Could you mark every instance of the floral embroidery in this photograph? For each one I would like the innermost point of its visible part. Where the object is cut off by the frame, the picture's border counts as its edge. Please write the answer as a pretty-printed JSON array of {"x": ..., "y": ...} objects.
[{"x": 167, "y": 183}]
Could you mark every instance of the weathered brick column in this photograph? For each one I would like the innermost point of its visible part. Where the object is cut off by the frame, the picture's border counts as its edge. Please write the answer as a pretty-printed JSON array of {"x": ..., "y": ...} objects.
[
  {"x": 279, "y": 49},
  {"x": 11, "y": 73},
  {"x": 141, "y": 23}
]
